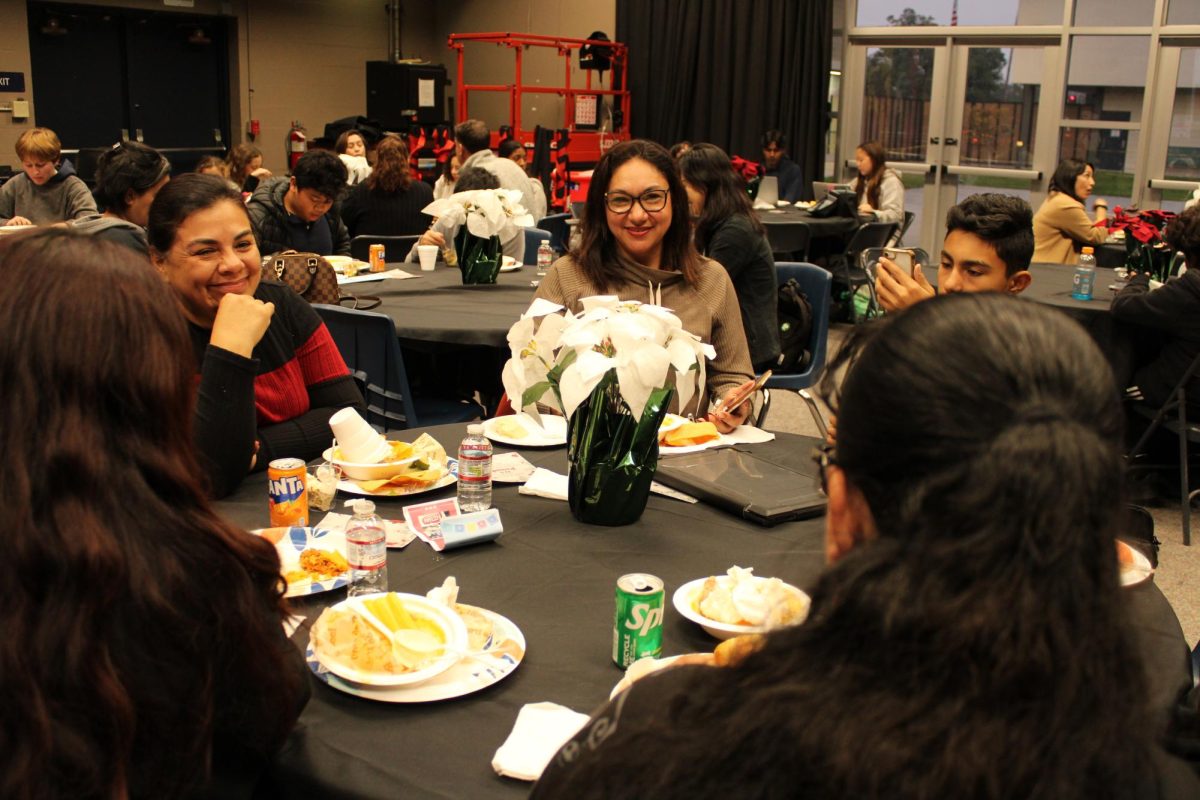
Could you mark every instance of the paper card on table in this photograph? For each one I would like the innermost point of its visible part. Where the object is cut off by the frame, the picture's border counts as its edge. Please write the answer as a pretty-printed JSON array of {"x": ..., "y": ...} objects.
[
  {"x": 425, "y": 519},
  {"x": 541, "y": 307},
  {"x": 674, "y": 494},
  {"x": 392, "y": 274},
  {"x": 473, "y": 528},
  {"x": 397, "y": 531},
  {"x": 510, "y": 468}
]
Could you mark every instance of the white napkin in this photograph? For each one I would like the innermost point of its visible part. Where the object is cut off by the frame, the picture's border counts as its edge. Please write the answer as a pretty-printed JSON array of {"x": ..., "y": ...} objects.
[
  {"x": 747, "y": 434},
  {"x": 545, "y": 483},
  {"x": 541, "y": 729},
  {"x": 365, "y": 277},
  {"x": 510, "y": 468}
]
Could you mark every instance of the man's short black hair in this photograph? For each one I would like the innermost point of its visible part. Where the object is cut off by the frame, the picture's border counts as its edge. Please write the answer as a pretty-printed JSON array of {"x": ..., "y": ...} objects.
[
  {"x": 321, "y": 171},
  {"x": 775, "y": 137},
  {"x": 473, "y": 178},
  {"x": 1003, "y": 221},
  {"x": 473, "y": 135}
]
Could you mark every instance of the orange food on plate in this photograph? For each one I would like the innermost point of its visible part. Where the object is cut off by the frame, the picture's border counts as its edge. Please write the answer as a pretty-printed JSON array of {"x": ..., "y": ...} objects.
[
  {"x": 690, "y": 433},
  {"x": 1124, "y": 555}
]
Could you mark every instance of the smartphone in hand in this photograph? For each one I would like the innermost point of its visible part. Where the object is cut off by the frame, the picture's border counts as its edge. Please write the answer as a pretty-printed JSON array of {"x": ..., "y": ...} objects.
[
  {"x": 734, "y": 401},
  {"x": 903, "y": 258}
]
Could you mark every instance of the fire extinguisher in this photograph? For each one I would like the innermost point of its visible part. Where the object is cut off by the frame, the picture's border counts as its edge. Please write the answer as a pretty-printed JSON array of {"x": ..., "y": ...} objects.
[{"x": 297, "y": 144}]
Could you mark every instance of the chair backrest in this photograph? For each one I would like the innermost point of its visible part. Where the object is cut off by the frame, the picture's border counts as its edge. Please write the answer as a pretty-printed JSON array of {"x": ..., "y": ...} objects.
[
  {"x": 904, "y": 226},
  {"x": 533, "y": 240},
  {"x": 397, "y": 246},
  {"x": 789, "y": 239},
  {"x": 870, "y": 234},
  {"x": 815, "y": 283},
  {"x": 560, "y": 232},
  {"x": 370, "y": 348}
]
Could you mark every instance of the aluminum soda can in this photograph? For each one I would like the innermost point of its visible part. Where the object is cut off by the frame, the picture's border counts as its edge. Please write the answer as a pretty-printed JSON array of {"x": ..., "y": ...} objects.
[
  {"x": 378, "y": 258},
  {"x": 637, "y": 624},
  {"x": 287, "y": 492}
]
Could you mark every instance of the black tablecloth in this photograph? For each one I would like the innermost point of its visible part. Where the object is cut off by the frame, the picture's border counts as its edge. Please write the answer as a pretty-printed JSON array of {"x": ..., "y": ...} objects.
[
  {"x": 837, "y": 229},
  {"x": 1052, "y": 285},
  {"x": 435, "y": 307},
  {"x": 553, "y": 577}
]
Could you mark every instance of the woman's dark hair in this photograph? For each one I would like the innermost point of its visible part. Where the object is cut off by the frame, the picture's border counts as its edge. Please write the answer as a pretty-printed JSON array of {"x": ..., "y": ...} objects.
[
  {"x": 181, "y": 198},
  {"x": 707, "y": 168},
  {"x": 391, "y": 172},
  {"x": 508, "y": 147},
  {"x": 679, "y": 148},
  {"x": 1003, "y": 221},
  {"x": 120, "y": 585},
  {"x": 475, "y": 178},
  {"x": 127, "y": 167},
  {"x": 868, "y": 185},
  {"x": 1064, "y": 176},
  {"x": 343, "y": 140},
  {"x": 597, "y": 254},
  {"x": 239, "y": 158},
  {"x": 1183, "y": 234},
  {"x": 212, "y": 162},
  {"x": 978, "y": 646}
]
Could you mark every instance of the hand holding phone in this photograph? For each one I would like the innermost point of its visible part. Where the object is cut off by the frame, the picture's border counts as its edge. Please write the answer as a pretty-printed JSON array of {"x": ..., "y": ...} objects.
[
  {"x": 904, "y": 259},
  {"x": 735, "y": 399}
]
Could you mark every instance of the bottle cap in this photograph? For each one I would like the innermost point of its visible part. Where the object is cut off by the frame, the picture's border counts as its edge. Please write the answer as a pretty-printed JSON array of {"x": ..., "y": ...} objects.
[
  {"x": 361, "y": 507},
  {"x": 475, "y": 429},
  {"x": 1088, "y": 250}
]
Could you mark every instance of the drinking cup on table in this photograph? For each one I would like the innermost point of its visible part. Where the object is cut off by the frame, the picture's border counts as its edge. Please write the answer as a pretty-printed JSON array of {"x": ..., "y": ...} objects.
[{"x": 428, "y": 254}]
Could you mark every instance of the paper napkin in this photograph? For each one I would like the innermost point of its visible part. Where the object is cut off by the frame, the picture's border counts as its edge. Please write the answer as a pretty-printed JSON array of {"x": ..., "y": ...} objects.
[
  {"x": 541, "y": 729},
  {"x": 545, "y": 483}
]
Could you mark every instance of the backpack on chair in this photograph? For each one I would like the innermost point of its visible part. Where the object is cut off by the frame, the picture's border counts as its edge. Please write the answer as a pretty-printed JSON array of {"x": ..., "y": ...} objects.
[{"x": 795, "y": 328}]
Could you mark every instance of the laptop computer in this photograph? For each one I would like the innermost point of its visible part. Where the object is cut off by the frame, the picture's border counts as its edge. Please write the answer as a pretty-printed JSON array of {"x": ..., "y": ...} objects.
[
  {"x": 767, "y": 487},
  {"x": 768, "y": 192},
  {"x": 822, "y": 188}
]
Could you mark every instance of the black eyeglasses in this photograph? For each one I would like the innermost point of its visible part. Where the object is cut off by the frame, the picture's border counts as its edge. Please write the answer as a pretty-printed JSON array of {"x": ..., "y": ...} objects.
[
  {"x": 823, "y": 456},
  {"x": 650, "y": 200}
]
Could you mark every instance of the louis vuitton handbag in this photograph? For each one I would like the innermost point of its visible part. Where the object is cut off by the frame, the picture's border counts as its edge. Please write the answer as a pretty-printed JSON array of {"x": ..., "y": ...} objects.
[{"x": 312, "y": 277}]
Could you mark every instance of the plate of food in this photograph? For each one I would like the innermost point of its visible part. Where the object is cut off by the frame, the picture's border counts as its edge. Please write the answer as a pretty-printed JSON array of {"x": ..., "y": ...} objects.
[
  {"x": 509, "y": 264},
  {"x": 339, "y": 264},
  {"x": 400, "y": 485},
  {"x": 740, "y": 602},
  {"x": 495, "y": 647},
  {"x": 404, "y": 469},
  {"x": 522, "y": 430},
  {"x": 679, "y": 434},
  {"x": 1134, "y": 565},
  {"x": 312, "y": 560}
]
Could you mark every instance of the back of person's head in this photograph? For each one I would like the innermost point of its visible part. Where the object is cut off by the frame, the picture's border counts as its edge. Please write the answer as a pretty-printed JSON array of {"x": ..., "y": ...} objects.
[
  {"x": 706, "y": 167},
  {"x": 679, "y": 148},
  {"x": 508, "y": 147},
  {"x": 40, "y": 143},
  {"x": 125, "y": 171},
  {"x": 109, "y": 655},
  {"x": 239, "y": 158},
  {"x": 181, "y": 198},
  {"x": 597, "y": 251},
  {"x": 473, "y": 135},
  {"x": 392, "y": 172},
  {"x": 1003, "y": 221},
  {"x": 775, "y": 137},
  {"x": 321, "y": 171},
  {"x": 474, "y": 178},
  {"x": 1183, "y": 234},
  {"x": 1063, "y": 179},
  {"x": 212, "y": 165}
]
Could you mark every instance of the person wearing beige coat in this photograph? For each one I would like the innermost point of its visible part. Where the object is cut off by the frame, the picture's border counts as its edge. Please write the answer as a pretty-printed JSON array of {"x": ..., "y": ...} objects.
[{"x": 1062, "y": 225}]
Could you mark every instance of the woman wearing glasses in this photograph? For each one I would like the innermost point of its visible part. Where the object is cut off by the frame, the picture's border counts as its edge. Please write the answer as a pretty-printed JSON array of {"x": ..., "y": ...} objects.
[
  {"x": 636, "y": 244},
  {"x": 969, "y": 637}
]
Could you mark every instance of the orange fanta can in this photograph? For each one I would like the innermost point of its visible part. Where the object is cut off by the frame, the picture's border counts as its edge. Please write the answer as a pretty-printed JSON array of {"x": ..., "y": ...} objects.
[{"x": 287, "y": 492}]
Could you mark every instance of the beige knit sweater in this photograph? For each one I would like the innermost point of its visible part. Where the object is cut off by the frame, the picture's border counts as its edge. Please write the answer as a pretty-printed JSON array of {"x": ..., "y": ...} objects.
[
  {"x": 1060, "y": 227},
  {"x": 709, "y": 309}
]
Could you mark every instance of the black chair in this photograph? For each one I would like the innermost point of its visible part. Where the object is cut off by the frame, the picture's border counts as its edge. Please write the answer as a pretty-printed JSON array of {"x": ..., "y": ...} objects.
[
  {"x": 904, "y": 226},
  {"x": 847, "y": 270},
  {"x": 1161, "y": 417},
  {"x": 397, "y": 246},
  {"x": 815, "y": 283},
  {"x": 789, "y": 242},
  {"x": 368, "y": 344},
  {"x": 560, "y": 231}
]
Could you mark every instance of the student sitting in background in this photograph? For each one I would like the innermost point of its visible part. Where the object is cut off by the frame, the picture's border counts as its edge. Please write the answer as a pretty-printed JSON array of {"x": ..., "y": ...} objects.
[
  {"x": 46, "y": 193},
  {"x": 246, "y": 168},
  {"x": 296, "y": 213},
  {"x": 389, "y": 202},
  {"x": 128, "y": 178}
]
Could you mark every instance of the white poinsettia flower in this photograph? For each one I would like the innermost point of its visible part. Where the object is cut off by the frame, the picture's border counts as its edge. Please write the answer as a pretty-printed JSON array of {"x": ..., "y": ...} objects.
[
  {"x": 581, "y": 377},
  {"x": 599, "y": 301},
  {"x": 639, "y": 374}
]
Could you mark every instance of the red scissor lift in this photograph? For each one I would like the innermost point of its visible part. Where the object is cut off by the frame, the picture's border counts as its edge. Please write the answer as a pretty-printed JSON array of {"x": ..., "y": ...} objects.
[{"x": 576, "y": 145}]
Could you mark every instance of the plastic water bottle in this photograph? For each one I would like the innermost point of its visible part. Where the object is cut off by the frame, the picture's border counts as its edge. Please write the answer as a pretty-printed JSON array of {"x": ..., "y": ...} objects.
[
  {"x": 1085, "y": 275},
  {"x": 366, "y": 549},
  {"x": 474, "y": 471},
  {"x": 545, "y": 257}
]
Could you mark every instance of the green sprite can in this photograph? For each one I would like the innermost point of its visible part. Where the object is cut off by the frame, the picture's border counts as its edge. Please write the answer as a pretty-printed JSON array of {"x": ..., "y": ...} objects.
[{"x": 637, "y": 625}]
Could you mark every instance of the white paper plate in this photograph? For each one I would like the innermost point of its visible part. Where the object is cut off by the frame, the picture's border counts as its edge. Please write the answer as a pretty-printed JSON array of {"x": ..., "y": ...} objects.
[
  {"x": 294, "y": 541},
  {"x": 450, "y": 623},
  {"x": 467, "y": 676},
  {"x": 339, "y": 264},
  {"x": 350, "y": 487},
  {"x": 509, "y": 264},
  {"x": 553, "y": 432},
  {"x": 684, "y": 595},
  {"x": 1137, "y": 572}
]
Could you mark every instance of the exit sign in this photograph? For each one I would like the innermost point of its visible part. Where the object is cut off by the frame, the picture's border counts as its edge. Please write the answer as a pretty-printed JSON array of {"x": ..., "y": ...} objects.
[{"x": 12, "y": 81}]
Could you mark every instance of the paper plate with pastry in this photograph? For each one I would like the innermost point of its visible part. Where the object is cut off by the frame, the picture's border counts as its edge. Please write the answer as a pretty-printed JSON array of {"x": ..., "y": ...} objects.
[
  {"x": 1134, "y": 565},
  {"x": 740, "y": 602},
  {"x": 522, "y": 430},
  {"x": 509, "y": 264},
  {"x": 405, "y": 484},
  {"x": 339, "y": 264},
  {"x": 688, "y": 437},
  {"x": 312, "y": 560}
]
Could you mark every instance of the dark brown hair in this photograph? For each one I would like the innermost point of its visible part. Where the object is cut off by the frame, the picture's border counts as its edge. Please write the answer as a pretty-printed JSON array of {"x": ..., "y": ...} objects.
[
  {"x": 597, "y": 254},
  {"x": 869, "y": 185},
  {"x": 391, "y": 173},
  {"x": 120, "y": 587},
  {"x": 343, "y": 140},
  {"x": 239, "y": 159},
  {"x": 1183, "y": 234}
]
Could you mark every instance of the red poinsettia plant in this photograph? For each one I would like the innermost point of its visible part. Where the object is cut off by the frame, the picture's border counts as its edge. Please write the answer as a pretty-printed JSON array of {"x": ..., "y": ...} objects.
[{"x": 1145, "y": 226}]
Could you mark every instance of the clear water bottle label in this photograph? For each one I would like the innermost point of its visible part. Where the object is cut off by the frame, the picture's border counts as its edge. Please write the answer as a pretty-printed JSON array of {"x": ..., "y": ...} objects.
[{"x": 366, "y": 551}]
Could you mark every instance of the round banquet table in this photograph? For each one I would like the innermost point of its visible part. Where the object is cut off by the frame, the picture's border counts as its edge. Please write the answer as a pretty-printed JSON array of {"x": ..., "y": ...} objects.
[
  {"x": 835, "y": 229},
  {"x": 1051, "y": 285},
  {"x": 555, "y": 578}
]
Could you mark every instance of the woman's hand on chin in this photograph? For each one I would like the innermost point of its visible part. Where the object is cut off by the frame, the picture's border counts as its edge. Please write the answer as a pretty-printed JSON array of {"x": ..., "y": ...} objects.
[{"x": 240, "y": 323}]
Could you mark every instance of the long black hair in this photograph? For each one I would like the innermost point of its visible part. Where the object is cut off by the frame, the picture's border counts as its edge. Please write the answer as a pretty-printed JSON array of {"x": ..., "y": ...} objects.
[
  {"x": 707, "y": 168},
  {"x": 977, "y": 647},
  {"x": 1065, "y": 174}
]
